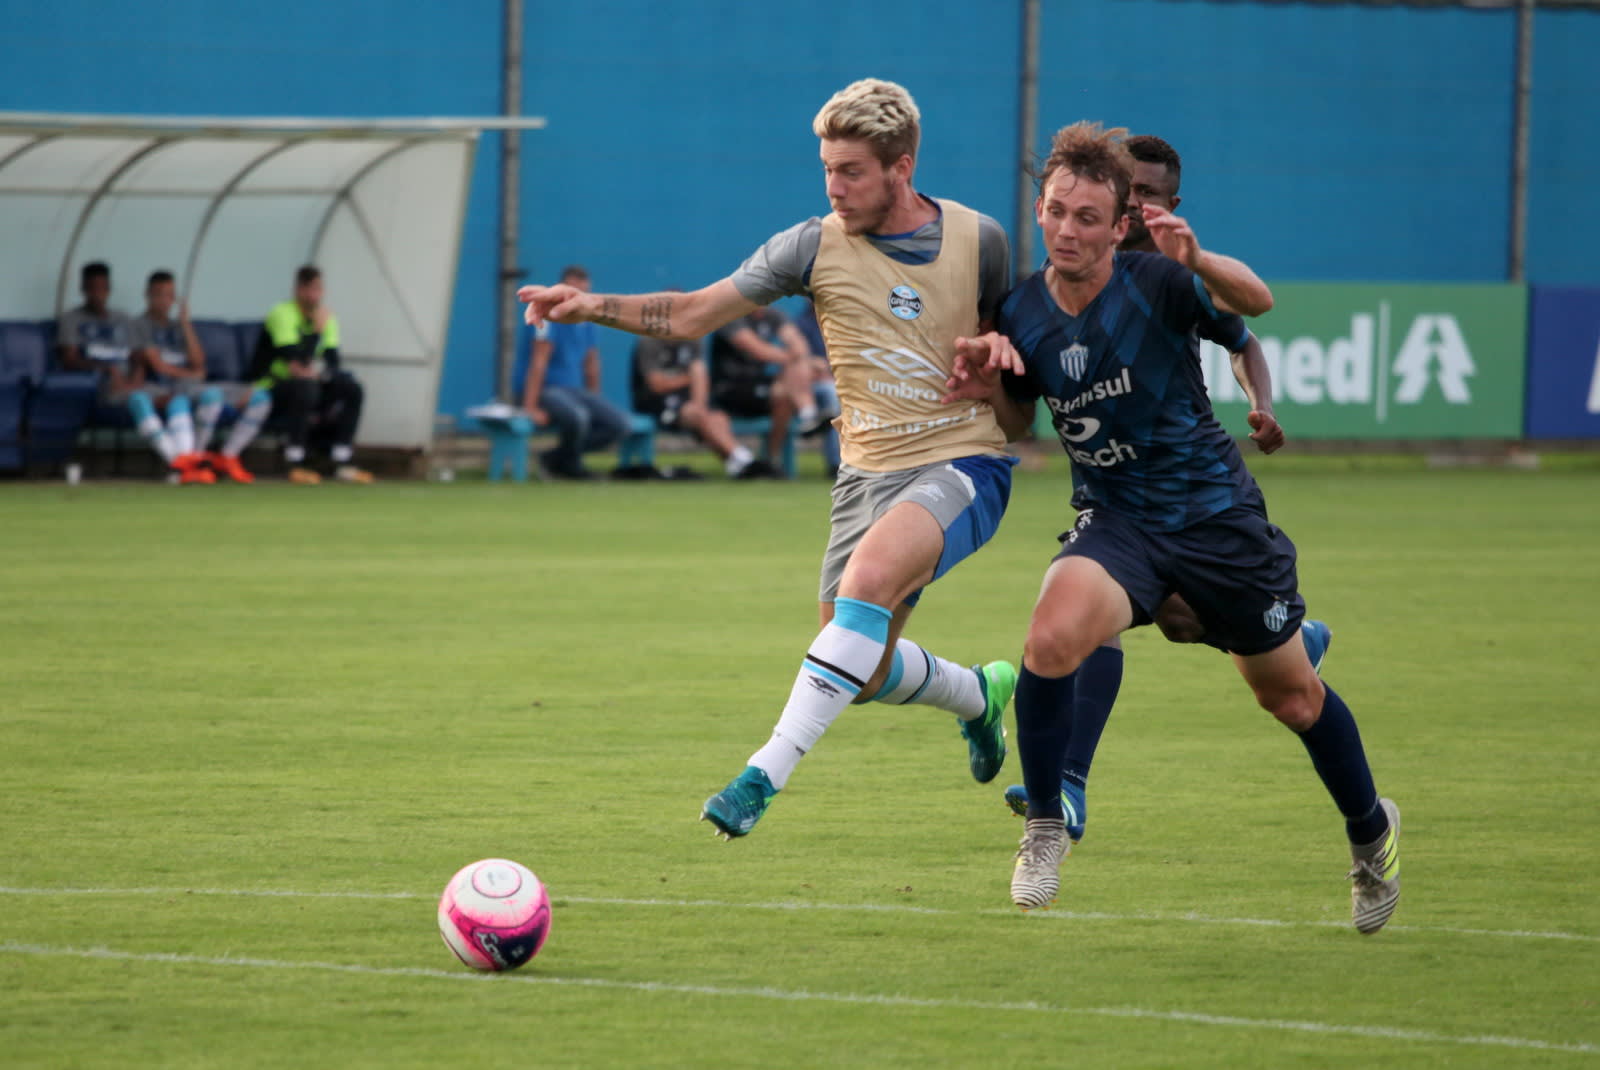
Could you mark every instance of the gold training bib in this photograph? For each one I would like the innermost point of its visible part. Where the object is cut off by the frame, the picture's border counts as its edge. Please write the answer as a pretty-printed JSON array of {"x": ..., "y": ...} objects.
[{"x": 890, "y": 330}]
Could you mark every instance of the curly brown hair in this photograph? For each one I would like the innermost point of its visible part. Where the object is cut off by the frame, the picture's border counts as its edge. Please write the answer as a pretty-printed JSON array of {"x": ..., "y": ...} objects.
[{"x": 1090, "y": 152}]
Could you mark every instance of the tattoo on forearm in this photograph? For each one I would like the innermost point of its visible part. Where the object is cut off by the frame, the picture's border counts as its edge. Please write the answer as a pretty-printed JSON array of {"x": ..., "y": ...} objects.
[
  {"x": 610, "y": 312},
  {"x": 656, "y": 316}
]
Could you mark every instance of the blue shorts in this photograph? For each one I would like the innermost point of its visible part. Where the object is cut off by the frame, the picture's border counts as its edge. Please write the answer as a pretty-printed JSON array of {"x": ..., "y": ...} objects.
[
  {"x": 1236, "y": 569},
  {"x": 967, "y": 496}
]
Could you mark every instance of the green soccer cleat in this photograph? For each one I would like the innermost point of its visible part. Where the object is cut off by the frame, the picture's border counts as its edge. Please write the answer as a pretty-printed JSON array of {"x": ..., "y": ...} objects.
[
  {"x": 986, "y": 735},
  {"x": 736, "y": 808},
  {"x": 1376, "y": 874}
]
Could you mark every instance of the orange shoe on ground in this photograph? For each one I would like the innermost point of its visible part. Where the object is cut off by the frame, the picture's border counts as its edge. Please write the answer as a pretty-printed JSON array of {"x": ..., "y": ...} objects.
[
  {"x": 194, "y": 473},
  {"x": 304, "y": 476},
  {"x": 224, "y": 465}
]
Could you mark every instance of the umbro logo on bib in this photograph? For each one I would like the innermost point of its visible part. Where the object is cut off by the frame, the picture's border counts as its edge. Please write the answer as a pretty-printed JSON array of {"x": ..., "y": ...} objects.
[{"x": 905, "y": 302}]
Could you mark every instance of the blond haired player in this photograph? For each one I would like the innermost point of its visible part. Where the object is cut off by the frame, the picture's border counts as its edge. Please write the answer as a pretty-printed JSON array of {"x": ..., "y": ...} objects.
[{"x": 896, "y": 278}]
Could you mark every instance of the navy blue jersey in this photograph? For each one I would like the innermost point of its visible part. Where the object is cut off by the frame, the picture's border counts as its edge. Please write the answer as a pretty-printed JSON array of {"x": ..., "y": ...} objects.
[{"x": 1126, "y": 393}]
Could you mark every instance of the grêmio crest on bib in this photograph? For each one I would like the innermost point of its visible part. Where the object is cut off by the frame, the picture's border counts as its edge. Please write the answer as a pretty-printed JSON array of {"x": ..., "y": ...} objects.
[{"x": 905, "y": 302}]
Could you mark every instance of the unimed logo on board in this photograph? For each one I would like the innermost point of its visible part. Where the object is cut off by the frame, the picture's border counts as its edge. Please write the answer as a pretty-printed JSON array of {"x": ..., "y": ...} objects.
[{"x": 1376, "y": 362}]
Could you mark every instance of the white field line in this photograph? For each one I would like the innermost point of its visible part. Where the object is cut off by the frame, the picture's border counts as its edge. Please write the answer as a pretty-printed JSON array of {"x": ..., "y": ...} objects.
[
  {"x": 855, "y": 908},
  {"x": 1423, "y": 1036}
]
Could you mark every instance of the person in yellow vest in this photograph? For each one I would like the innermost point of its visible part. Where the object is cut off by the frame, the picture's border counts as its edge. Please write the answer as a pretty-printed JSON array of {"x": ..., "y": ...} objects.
[
  {"x": 897, "y": 278},
  {"x": 297, "y": 359}
]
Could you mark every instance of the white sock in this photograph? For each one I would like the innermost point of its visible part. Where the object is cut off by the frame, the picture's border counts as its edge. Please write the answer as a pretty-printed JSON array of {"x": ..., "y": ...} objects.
[
  {"x": 294, "y": 454},
  {"x": 929, "y": 680},
  {"x": 207, "y": 413},
  {"x": 807, "y": 416},
  {"x": 152, "y": 431},
  {"x": 844, "y": 654},
  {"x": 249, "y": 424},
  {"x": 342, "y": 454},
  {"x": 180, "y": 426},
  {"x": 738, "y": 460}
]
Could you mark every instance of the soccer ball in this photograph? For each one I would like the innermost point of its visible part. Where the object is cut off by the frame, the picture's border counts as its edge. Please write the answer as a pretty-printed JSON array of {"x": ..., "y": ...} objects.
[{"x": 494, "y": 915}]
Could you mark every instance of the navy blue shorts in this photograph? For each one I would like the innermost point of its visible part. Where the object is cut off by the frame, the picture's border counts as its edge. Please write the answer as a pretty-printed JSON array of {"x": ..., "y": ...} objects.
[{"x": 1236, "y": 569}]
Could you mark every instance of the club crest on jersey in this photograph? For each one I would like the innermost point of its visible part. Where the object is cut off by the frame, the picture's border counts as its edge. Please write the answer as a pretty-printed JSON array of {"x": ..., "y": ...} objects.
[
  {"x": 905, "y": 302},
  {"x": 1074, "y": 360},
  {"x": 1275, "y": 617}
]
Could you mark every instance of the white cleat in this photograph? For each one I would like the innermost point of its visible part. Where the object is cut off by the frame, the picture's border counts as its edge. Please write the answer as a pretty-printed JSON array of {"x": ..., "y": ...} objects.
[
  {"x": 1036, "y": 877},
  {"x": 1376, "y": 873}
]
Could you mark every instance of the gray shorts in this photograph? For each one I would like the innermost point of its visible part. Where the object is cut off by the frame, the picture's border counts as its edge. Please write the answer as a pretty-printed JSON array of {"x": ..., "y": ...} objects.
[{"x": 966, "y": 496}]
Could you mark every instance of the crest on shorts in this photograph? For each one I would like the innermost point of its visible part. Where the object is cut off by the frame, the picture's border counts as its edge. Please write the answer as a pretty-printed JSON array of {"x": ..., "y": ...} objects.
[
  {"x": 905, "y": 302},
  {"x": 1074, "y": 360},
  {"x": 1275, "y": 617}
]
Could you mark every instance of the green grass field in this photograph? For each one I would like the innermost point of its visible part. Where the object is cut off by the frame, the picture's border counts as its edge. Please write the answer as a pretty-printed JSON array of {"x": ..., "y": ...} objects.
[{"x": 248, "y": 733}]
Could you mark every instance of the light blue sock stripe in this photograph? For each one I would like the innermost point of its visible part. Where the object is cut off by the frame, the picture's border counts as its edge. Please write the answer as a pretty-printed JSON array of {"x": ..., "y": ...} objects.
[
  {"x": 141, "y": 406},
  {"x": 863, "y": 618},
  {"x": 897, "y": 671},
  {"x": 814, "y": 668},
  {"x": 177, "y": 405}
]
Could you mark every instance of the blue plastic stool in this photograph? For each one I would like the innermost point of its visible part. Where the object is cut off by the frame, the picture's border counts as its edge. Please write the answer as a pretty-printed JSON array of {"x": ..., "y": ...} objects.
[
  {"x": 638, "y": 447},
  {"x": 508, "y": 445}
]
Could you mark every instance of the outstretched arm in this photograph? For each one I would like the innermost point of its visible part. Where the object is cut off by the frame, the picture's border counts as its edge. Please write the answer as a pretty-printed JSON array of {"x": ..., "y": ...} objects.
[
  {"x": 1231, "y": 283},
  {"x": 685, "y": 316},
  {"x": 1255, "y": 378}
]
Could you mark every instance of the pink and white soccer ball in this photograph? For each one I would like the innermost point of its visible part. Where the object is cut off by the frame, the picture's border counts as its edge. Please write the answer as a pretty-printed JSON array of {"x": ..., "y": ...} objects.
[{"x": 494, "y": 914}]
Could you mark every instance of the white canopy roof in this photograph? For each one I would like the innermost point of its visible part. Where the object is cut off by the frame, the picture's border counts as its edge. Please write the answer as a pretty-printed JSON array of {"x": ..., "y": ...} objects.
[{"x": 233, "y": 206}]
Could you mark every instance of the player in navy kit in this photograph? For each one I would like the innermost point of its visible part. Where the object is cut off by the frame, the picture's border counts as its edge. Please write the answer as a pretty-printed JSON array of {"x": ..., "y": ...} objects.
[
  {"x": 1109, "y": 341},
  {"x": 1157, "y": 175}
]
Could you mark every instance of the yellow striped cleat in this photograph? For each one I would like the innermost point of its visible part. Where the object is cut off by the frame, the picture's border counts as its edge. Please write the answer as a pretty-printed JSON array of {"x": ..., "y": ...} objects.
[{"x": 1376, "y": 874}]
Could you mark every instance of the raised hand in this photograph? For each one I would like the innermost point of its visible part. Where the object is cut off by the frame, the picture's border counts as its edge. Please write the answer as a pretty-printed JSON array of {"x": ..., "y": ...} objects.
[
  {"x": 555, "y": 304},
  {"x": 975, "y": 374},
  {"x": 1265, "y": 432},
  {"x": 1172, "y": 235}
]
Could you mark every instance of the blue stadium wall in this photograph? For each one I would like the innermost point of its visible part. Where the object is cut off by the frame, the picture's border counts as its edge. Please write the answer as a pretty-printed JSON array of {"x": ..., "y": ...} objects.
[{"x": 1319, "y": 142}]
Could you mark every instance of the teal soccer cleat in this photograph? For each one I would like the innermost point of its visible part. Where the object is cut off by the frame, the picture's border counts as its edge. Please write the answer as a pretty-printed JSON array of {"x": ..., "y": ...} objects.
[
  {"x": 986, "y": 735},
  {"x": 736, "y": 808},
  {"x": 1317, "y": 637},
  {"x": 1074, "y": 806}
]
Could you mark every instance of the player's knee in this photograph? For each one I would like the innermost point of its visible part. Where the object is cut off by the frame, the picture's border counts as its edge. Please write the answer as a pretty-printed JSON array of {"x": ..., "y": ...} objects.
[
  {"x": 1296, "y": 708},
  {"x": 872, "y": 581},
  {"x": 1053, "y": 651}
]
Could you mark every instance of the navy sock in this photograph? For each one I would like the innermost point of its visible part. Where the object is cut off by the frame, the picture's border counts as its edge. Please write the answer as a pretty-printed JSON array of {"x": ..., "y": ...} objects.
[
  {"x": 1099, "y": 680},
  {"x": 1335, "y": 748},
  {"x": 1044, "y": 725}
]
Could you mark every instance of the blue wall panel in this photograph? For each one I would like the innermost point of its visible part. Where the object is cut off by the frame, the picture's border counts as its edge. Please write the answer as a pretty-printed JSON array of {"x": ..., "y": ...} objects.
[
  {"x": 1320, "y": 142},
  {"x": 680, "y": 137},
  {"x": 1563, "y": 213}
]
